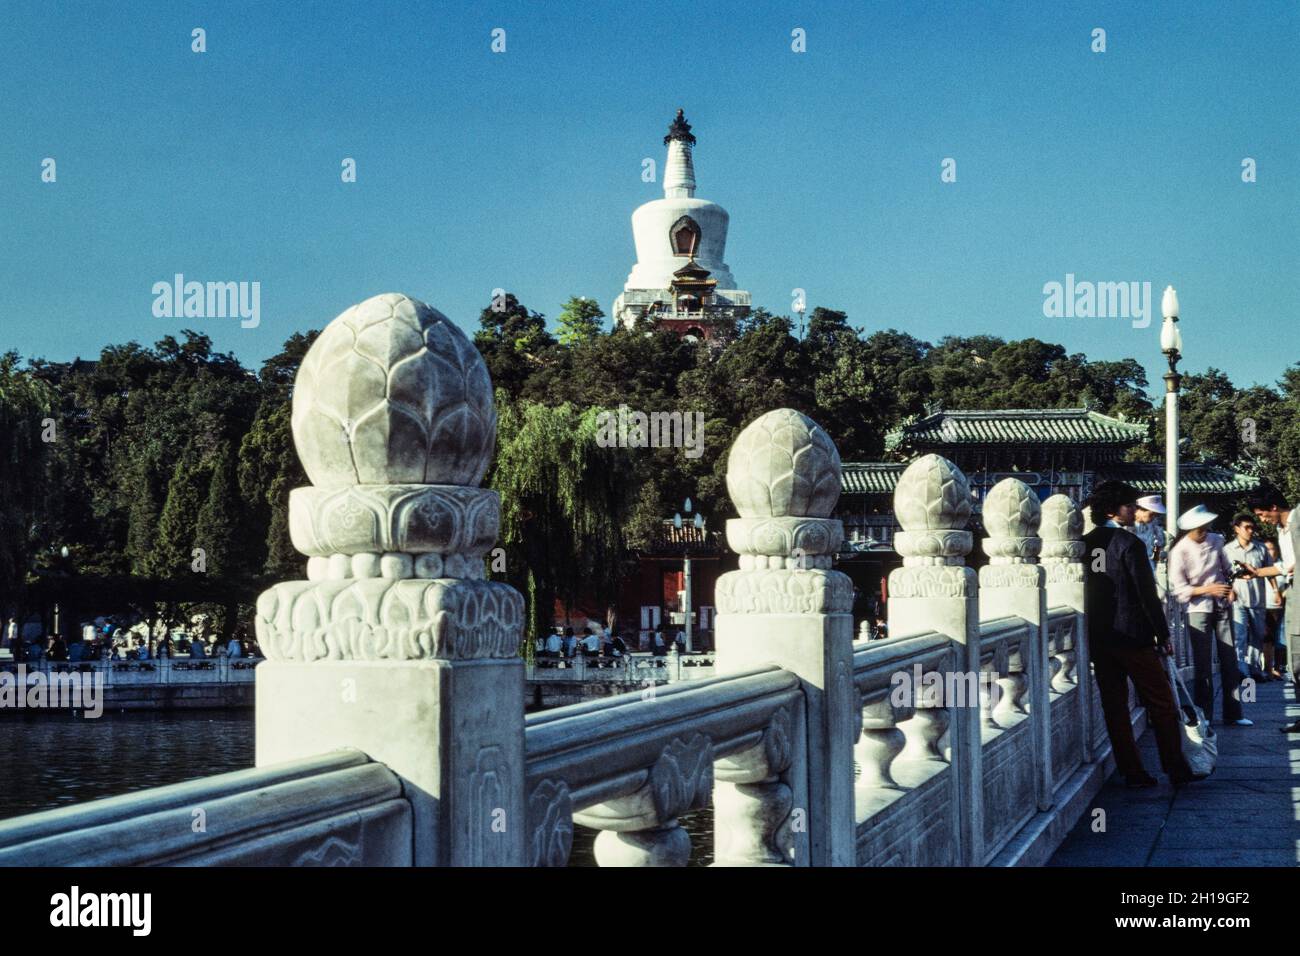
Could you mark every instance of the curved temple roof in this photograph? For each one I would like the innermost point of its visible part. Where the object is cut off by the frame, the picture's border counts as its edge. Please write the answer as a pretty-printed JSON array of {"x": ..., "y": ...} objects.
[
  {"x": 1195, "y": 478},
  {"x": 1017, "y": 427}
]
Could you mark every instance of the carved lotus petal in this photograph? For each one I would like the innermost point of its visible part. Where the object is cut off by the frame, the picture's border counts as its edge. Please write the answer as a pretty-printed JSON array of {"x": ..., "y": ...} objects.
[
  {"x": 1012, "y": 510},
  {"x": 393, "y": 393},
  {"x": 783, "y": 464},
  {"x": 932, "y": 495},
  {"x": 1061, "y": 519}
]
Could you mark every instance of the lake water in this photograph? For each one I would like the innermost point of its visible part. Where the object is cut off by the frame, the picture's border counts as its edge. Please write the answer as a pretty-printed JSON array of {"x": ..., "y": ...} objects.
[{"x": 49, "y": 760}]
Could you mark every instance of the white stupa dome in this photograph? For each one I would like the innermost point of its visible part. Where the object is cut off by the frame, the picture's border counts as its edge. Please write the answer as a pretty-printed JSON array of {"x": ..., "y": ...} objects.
[
  {"x": 656, "y": 261},
  {"x": 653, "y": 223}
]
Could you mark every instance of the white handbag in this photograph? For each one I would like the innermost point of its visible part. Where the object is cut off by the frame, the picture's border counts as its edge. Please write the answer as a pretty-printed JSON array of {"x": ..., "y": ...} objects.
[{"x": 1200, "y": 744}]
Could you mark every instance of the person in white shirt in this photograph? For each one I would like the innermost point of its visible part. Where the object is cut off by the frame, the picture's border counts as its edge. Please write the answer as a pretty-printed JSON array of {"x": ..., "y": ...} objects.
[
  {"x": 1147, "y": 517},
  {"x": 553, "y": 644},
  {"x": 1253, "y": 566},
  {"x": 1284, "y": 541}
]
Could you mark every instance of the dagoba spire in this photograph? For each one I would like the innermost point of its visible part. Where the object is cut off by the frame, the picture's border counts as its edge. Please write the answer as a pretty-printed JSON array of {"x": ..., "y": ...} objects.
[
  {"x": 679, "y": 170},
  {"x": 681, "y": 280}
]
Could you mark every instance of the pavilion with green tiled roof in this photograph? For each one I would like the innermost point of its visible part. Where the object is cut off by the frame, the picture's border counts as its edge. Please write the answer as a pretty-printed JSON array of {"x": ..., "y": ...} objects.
[
  {"x": 1009, "y": 428},
  {"x": 1058, "y": 450},
  {"x": 1195, "y": 478},
  {"x": 869, "y": 477}
]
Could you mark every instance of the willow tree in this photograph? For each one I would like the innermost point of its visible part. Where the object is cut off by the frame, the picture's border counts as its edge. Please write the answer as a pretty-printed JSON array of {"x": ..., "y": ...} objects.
[
  {"x": 564, "y": 503},
  {"x": 27, "y": 409}
]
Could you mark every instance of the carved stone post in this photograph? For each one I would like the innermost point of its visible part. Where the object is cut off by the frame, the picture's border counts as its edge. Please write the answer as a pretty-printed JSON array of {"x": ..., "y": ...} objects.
[
  {"x": 935, "y": 591},
  {"x": 1012, "y": 583},
  {"x": 395, "y": 644},
  {"x": 786, "y": 606},
  {"x": 1062, "y": 559}
]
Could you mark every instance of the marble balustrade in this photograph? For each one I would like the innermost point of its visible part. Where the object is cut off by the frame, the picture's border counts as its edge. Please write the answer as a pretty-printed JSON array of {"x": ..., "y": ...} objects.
[
  {"x": 631, "y": 765},
  {"x": 397, "y": 659}
]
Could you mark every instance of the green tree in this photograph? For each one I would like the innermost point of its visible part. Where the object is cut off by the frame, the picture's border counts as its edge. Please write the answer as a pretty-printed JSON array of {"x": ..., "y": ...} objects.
[
  {"x": 268, "y": 462},
  {"x": 1284, "y": 435},
  {"x": 513, "y": 341},
  {"x": 268, "y": 470},
  {"x": 27, "y": 406},
  {"x": 220, "y": 528},
  {"x": 580, "y": 321},
  {"x": 171, "y": 554},
  {"x": 564, "y": 506}
]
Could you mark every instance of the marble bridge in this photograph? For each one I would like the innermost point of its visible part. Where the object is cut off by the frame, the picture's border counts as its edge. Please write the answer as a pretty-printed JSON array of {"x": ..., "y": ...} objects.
[{"x": 391, "y": 726}]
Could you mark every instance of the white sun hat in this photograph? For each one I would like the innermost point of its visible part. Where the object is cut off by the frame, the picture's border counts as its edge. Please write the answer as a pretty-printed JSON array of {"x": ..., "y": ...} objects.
[
  {"x": 1195, "y": 518},
  {"x": 1153, "y": 503}
]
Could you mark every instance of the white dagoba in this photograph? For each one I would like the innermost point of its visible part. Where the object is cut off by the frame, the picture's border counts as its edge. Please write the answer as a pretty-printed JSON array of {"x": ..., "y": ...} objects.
[{"x": 681, "y": 279}]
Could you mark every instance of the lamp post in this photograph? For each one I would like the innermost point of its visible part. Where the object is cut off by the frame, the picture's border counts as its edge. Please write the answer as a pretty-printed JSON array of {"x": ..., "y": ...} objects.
[
  {"x": 1171, "y": 344},
  {"x": 63, "y": 553},
  {"x": 698, "y": 522}
]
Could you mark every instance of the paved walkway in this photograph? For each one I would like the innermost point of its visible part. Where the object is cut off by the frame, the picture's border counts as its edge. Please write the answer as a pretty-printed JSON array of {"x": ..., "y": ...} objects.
[{"x": 1245, "y": 814}]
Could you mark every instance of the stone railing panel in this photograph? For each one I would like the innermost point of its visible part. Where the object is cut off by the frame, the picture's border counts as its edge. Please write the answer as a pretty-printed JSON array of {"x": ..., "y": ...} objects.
[
  {"x": 906, "y": 808},
  {"x": 630, "y": 765},
  {"x": 337, "y": 809},
  {"x": 935, "y": 593}
]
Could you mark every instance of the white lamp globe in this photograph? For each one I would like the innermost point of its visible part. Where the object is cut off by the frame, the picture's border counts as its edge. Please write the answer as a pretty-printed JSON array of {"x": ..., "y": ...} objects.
[{"x": 1169, "y": 303}]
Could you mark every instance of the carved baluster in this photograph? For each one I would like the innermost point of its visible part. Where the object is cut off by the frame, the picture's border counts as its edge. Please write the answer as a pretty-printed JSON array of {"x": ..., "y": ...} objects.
[
  {"x": 1013, "y": 688},
  {"x": 641, "y": 828},
  {"x": 1063, "y": 651},
  {"x": 1064, "y": 678},
  {"x": 1011, "y": 698},
  {"x": 1053, "y": 674},
  {"x": 925, "y": 731},
  {"x": 990, "y": 677},
  {"x": 752, "y": 802},
  {"x": 880, "y": 744}
]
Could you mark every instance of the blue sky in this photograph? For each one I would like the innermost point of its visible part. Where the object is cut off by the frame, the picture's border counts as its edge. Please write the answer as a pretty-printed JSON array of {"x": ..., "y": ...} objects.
[{"x": 520, "y": 170}]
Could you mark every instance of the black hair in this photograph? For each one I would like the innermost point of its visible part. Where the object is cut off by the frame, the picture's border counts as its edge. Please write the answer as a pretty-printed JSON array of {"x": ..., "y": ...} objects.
[
  {"x": 1242, "y": 516},
  {"x": 1108, "y": 497}
]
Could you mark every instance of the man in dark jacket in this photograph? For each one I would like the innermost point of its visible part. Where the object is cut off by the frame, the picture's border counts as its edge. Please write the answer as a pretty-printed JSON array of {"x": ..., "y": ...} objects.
[{"x": 1127, "y": 634}]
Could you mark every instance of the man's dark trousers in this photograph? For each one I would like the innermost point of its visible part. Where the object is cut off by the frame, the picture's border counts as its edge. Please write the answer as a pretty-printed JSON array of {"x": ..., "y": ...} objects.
[{"x": 1113, "y": 668}]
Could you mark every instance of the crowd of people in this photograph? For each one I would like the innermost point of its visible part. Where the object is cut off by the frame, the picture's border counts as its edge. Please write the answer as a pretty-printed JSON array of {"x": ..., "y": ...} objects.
[
  {"x": 601, "y": 644},
  {"x": 1233, "y": 590},
  {"x": 111, "y": 641}
]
